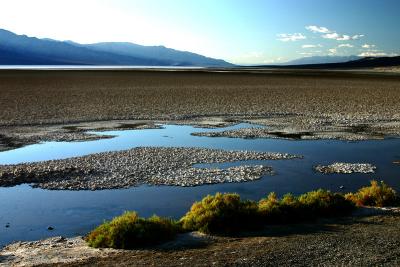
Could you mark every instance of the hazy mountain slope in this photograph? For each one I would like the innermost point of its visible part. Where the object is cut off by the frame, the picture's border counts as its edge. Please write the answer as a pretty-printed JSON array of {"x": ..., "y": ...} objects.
[
  {"x": 367, "y": 62},
  {"x": 21, "y": 49},
  {"x": 175, "y": 57},
  {"x": 321, "y": 60}
]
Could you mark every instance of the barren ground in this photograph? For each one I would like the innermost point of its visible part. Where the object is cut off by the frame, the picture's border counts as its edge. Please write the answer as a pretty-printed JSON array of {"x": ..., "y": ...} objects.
[
  {"x": 351, "y": 241},
  {"x": 37, "y": 105},
  {"x": 35, "y": 97}
]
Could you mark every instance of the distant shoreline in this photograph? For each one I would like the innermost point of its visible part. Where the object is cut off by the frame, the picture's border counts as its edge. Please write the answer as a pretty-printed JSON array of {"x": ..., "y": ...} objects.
[
  {"x": 91, "y": 67},
  {"x": 273, "y": 70}
]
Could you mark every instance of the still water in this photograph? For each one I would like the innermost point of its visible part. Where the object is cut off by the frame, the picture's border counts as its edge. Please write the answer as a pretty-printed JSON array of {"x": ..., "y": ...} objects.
[{"x": 30, "y": 211}]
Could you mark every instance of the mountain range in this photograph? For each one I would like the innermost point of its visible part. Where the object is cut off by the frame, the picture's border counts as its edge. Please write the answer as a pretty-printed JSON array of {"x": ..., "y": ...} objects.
[
  {"x": 361, "y": 63},
  {"x": 321, "y": 60},
  {"x": 23, "y": 50}
]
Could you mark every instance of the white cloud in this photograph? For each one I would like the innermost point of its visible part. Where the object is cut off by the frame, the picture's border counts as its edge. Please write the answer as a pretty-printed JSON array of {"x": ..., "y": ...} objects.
[
  {"x": 309, "y": 52},
  {"x": 357, "y": 36},
  {"x": 286, "y": 37},
  {"x": 367, "y": 46},
  {"x": 333, "y": 35},
  {"x": 275, "y": 60},
  {"x": 329, "y": 34},
  {"x": 346, "y": 45},
  {"x": 306, "y": 54},
  {"x": 317, "y": 29},
  {"x": 332, "y": 51},
  {"x": 340, "y": 37},
  {"x": 377, "y": 54},
  {"x": 256, "y": 57},
  {"x": 311, "y": 46}
]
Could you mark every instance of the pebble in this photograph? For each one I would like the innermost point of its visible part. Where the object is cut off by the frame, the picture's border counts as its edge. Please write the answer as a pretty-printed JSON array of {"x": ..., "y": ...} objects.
[
  {"x": 142, "y": 165},
  {"x": 346, "y": 168},
  {"x": 271, "y": 132}
]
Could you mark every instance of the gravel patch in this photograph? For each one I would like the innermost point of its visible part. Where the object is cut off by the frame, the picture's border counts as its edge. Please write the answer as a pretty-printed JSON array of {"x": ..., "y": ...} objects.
[
  {"x": 144, "y": 165},
  {"x": 278, "y": 129},
  {"x": 50, "y": 251},
  {"x": 17, "y": 136},
  {"x": 40, "y": 97},
  {"x": 346, "y": 168},
  {"x": 250, "y": 133}
]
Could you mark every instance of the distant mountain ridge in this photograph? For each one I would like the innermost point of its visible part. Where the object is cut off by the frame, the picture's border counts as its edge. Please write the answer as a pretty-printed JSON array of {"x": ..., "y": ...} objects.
[
  {"x": 366, "y": 62},
  {"x": 321, "y": 60},
  {"x": 362, "y": 63},
  {"x": 23, "y": 50}
]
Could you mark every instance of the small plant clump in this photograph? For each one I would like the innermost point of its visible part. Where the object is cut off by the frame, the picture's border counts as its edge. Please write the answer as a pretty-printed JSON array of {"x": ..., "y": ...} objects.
[
  {"x": 291, "y": 209},
  {"x": 228, "y": 214},
  {"x": 129, "y": 231},
  {"x": 377, "y": 194},
  {"x": 222, "y": 214},
  {"x": 323, "y": 203}
]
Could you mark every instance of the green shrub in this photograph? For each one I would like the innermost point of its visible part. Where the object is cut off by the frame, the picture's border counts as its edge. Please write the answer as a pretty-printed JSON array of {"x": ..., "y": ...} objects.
[
  {"x": 377, "y": 194},
  {"x": 325, "y": 203},
  {"x": 228, "y": 214},
  {"x": 222, "y": 214},
  {"x": 291, "y": 209},
  {"x": 272, "y": 210},
  {"x": 130, "y": 231}
]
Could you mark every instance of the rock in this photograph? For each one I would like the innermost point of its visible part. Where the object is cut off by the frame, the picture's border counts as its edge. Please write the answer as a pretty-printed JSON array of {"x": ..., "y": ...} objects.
[
  {"x": 50, "y": 228},
  {"x": 346, "y": 168}
]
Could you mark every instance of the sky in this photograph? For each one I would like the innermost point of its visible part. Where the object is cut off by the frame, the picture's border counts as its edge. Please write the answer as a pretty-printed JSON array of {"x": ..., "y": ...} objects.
[{"x": 239, "y": 31}]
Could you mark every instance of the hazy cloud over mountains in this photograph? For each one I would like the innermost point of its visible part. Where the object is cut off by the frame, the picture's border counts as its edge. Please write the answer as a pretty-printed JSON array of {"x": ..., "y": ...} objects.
[{"x": 286, "y": 37}]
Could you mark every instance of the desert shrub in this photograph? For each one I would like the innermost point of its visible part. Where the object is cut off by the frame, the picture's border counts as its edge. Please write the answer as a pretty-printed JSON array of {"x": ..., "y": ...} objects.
[
  {"x": 228, "y": 214},
  {"x": 270, "y": 204},
  {"x": 291, "y": 209},
  {"x": 130, "y": 231},
  {"x": 377, "y": 194},
  {"x": 325, "y": 203},
  {"x": 222, "y": 214},
  {"x": 272, "y": 210}
]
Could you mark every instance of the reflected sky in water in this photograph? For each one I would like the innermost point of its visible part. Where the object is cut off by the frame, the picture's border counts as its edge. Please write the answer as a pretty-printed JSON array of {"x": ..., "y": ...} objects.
[{"x": 29, "y": 211}]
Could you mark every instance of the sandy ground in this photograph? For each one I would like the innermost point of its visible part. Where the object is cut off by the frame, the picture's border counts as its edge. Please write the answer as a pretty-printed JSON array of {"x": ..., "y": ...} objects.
[
  {"x": 48, "y": 105},
  {"x": 395, "y": 69},
  {"x": 371, "y": 239},
  {"x": 37, "y": 97}
]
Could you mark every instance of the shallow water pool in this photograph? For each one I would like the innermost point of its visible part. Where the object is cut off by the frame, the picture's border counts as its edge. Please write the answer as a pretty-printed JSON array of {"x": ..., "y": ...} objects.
[{"x": 30, "y": 211}]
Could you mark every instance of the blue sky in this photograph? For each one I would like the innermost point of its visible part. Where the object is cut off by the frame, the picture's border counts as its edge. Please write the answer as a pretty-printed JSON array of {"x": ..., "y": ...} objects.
[{"x": 240, "y": 31}]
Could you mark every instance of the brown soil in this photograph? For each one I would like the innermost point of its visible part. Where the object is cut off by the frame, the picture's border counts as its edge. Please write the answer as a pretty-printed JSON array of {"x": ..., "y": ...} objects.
[
  {"x": 37, "y": 97},
  {"x": 353, "y": 241},
  {"x": 297, "y": 104}
]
